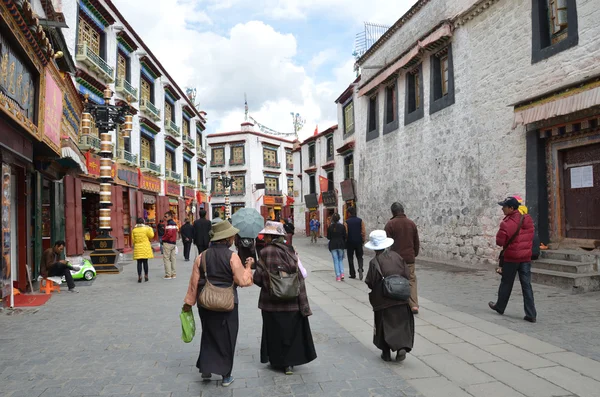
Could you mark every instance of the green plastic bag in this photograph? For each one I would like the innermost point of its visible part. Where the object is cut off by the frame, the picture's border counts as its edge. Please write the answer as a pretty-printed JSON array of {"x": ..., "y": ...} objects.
[{"x": 188, "y": 326}]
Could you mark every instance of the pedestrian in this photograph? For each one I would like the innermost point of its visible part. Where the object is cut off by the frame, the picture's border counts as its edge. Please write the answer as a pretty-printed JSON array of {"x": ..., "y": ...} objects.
[
  {"x": 394, "y": 320},
  {"x": 160, "y": 230},
  {"x": 142, "y": 249},
  {"x": 314, "y": 228},
  {"x": 515, "y": 236},
  {"x": 202, "y": 228},
  {"x": 246, "y": 247},
  {"x": 219, "y": 329},
  {"x": 170, "y": 247},
  {"x": 187, "y": 237},
  {"x": 336, "y": 234},
  {"x": 53, "y": 266},
  {"x": 406, "y": 244},
  {"x": 355, "y": 230},
  {"x": 289, "y": 228},
  {"x": 286, "y": 336}
]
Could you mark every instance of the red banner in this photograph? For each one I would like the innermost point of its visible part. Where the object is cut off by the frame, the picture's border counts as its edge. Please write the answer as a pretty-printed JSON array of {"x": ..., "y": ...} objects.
[
  {"x": 188, "y": 192},
  {"x": 323, "y": 183},
  {"x": 149, "y": 183},
  {"x": 92, "y": 162},
  {"x": 172, "y": 189}
]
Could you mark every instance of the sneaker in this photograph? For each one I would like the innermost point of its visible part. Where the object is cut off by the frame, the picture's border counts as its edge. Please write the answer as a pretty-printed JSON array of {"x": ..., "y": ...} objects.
[
  {"x": 530, "y": 319},
  {"x": 342, "y": 276},
  {"x": 173, "y": 276},
  {"x": 73, "y": 290},
  {"x": 167, "y": 277},
  {"x": 227, "y": 381},
  {"x": 289, "y": 370},
  {"x": 206, "y": 376},
  {"x": 338, "y": 279}
]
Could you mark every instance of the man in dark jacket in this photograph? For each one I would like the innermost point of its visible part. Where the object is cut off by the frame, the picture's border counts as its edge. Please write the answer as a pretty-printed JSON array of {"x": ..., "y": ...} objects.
[
  {"x": 202, "y": 228},
  {"x": 355, "y": 230},
  {"x": 187, "y": 236},
  {"x": 53, "y": 266},
  {"x": 160, "y": 230},
  {"x": 516, "y": 239},
  {"x": 406, "y": 244}
]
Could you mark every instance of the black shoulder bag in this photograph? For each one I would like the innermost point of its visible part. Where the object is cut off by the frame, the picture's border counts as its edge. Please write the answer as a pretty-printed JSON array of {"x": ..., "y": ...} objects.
[
  {"x": 510, "y": 240},
  {"x": 395, "y": 286}
]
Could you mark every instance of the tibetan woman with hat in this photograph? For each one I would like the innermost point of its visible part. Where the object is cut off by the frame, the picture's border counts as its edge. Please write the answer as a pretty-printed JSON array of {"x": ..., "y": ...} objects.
[
  {"x": 223, "y": 269},
  {"x": 394, "y": 320},
  {"x": 286, "y": 336}
]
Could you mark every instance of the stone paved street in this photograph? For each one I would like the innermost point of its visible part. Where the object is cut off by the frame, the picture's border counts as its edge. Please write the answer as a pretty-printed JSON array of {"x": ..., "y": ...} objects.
[{"x": 121, "y": 338}]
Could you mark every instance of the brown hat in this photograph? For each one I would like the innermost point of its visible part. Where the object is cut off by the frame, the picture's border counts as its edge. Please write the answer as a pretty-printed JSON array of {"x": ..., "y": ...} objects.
[{"x": 223, "y": 230}]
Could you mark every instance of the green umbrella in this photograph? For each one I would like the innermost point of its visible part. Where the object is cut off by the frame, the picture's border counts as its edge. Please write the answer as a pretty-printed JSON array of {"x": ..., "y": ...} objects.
[{"x": 249, "y": 221}]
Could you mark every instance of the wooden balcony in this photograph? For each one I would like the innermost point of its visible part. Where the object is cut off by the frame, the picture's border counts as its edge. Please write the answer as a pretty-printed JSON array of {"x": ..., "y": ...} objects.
[
  {"x": 149, "y": 109},
  {"x": 95, "y": 63}
]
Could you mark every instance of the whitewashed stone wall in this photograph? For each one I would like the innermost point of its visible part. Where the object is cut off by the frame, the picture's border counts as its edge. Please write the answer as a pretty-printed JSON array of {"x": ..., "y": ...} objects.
[{"x": 451, "y": 168}]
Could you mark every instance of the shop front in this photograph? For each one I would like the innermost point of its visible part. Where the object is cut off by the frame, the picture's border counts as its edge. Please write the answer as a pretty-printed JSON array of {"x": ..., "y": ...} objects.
[
  {"x": 272, "y": 207},
  {"x": 129, "y": 181},
  {"x": 147, "y": 200},
  {"x": 175, "y": 203},
  {"x": 312, "y": 208},
  {"x": 348, "y": 188},
  {"x": 189, "y": 196},
  {"x": 330, "y": 207}
]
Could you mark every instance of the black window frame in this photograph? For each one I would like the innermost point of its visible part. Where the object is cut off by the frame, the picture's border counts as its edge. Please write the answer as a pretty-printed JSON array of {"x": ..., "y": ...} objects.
[
  {"x": 391, "y": 125},
  {"x": 373, "y": 117},
  {"x": 152, "y": 88},
  {"x": 350, "y": 102},
  {"x": 189, "y": 168},
  {"x": 200, "y": 174},
  {"x": 410, "y": 116},
  {"x": 329, "y": 152},
  {"x": 127, "y": 64},
  {"x": 348, "y": 160},
  {"x": 312, "y": 183},
  {"x": 243, "y": 154},
  {"x": 438, "y": 101},
  {"x": 312, "y": 160},
  {"x": 174, "y": 162},
  {"x": 541, "y": 40},
  {"x": 330, "y": 180}
]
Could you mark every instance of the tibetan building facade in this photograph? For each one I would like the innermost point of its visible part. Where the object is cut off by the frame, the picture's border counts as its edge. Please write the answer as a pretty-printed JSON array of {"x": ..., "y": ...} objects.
[
  {"x": 40, "y": 113},
  {"x": 161, "y": 167}
]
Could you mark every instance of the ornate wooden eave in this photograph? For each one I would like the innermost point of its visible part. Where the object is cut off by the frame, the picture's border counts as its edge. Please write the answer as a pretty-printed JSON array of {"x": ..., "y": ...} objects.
[
  {"x": 147, "y": 63},
  {"x": 92, "y": 81},
  {"x": 329, "y": 165},
  {"x": 347, "y": 147},
  {"x": 310, "y": 170},
  {"x": 126, "y": 41},
  {"x": 99, "y": 11},
  {"x": 24, "y": 17},
  {"x": 188, "y": 151},
  {"x": 188, "y": 111},
  {"x": 172, "y": 140},
  {"x": 149, "y": 125},
  {"x": 201, "y": 160},
  {"x": 478, "y": 8},
  {"x": 172, "y": 92},
  {"x": 200, "y": 125}
]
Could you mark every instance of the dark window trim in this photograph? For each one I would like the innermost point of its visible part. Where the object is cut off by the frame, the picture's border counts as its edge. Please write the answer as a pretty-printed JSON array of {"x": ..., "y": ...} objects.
[
  {"x": 151, "y": 83},
  {"x": 312, "y": 183},
  {"x": 329, "y": 155},
  {"x": 418, "y": 113},
  {"x": 346, "y": 166},
  {"x": 243, "y": 152},
  {"x": 373, "y": 134},
  {"x": 174, "y": 162},
  {"x": 437, "y": 101},
  {"x": 312, "y": 160},
  {"x": 344, "y": 106},
  {"x": 541, "y": 47},
  {"x": 391, "y": 126},
  {"x": 189, "y": 168}
]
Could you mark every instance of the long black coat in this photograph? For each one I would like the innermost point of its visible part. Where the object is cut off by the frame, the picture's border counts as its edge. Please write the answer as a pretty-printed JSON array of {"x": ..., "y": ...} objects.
[
  {"x": 390, "y": 263},
  {"x": 202, "y": 227}
]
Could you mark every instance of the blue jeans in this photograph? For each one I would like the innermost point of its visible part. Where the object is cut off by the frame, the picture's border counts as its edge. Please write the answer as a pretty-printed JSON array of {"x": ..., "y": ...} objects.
[
  {"x": 338, "y": 261},
  {"x": 509, "y": 272}
]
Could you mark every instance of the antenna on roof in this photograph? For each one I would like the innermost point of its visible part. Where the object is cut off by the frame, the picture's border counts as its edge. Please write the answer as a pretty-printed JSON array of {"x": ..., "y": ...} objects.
[{"x": 245, "y": 107}]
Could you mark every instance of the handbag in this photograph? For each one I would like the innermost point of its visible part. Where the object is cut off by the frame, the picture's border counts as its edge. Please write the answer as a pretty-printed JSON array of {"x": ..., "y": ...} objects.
[
  {"x": 216, "y": 299},
  {"x": 283, "y": 286},
  {"x": 510, "y": 240},
  {"x": 395, "y": 286},
  {"x": 188, "y": 326}
]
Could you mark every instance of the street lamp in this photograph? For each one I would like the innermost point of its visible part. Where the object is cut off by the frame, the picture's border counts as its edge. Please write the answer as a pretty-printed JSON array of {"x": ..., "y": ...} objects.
[
  {"x": 227, "y": 181},
  {"x": 107, "y": 117}
]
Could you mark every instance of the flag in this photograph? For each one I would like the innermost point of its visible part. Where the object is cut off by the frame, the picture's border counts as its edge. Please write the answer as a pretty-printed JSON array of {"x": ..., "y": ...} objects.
[
  {"x": 323, "y": 183},
  {"x": 316, "y": 130}
]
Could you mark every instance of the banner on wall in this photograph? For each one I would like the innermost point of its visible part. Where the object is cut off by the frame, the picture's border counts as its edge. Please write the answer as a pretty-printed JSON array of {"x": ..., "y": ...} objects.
[
  {"x": 52, "y": 110},
  {"x": 6, "y": 276}
]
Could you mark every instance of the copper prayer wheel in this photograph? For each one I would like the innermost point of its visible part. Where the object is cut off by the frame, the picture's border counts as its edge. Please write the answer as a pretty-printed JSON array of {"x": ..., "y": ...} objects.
[
  {"x": 105, "y": 143},
  {"x": 127, "y": 126},
  {"x": 86, "y": 123},
  {"x": 105, "y": 168},
  {"x": 104, "y": 218}
]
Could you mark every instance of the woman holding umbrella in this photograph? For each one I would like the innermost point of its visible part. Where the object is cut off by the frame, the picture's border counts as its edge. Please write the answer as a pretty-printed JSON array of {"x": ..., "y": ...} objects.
[
  {"x": 250, "y": 223},
  {"x": 286, "y": 336}
]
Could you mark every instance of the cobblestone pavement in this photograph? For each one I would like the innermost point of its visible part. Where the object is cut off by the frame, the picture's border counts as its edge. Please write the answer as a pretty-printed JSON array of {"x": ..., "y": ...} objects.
[{"x": 121, "y": 338}]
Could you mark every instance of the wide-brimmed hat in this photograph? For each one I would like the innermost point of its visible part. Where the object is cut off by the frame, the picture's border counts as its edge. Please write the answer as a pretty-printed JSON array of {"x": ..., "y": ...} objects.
[
  {"x": 223, "y": 230},
  {"x": 274, "y": 228},
  {"x": 378, "y": 240}
]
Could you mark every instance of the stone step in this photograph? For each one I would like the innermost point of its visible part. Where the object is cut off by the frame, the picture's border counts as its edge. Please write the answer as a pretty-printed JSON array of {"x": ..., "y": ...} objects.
[
  {"x": 564, "y": 266},
  {"x": 575, "y": 282},
  {"x": 569, "y": 255}
]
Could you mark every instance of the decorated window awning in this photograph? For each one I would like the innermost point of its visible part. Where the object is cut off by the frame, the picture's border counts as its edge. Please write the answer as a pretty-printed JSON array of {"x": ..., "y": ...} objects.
[
  {"x": 148, "y": 68},
  {"x": 346, "y": 148},
  {"x": 311, "y": 170},
  {"x": 188, "y": 154},
  {"x": 126, "y": 43},
  {"x": 148, "y": 128},
  {"x": 171, "y": 140},
  {"x": 409, "y": 58},
  {"x": 329, "y": 165},
  {"x": 171, "y": 93},
  {"x": 188, "y": 111},
  {"x": 559, "y": 103},
  {"x": 88, "y": 85},
  {"x": 200, "y": 127},
  {"x": 72, "y": 159},
  {"x": 96, "y": 14}
]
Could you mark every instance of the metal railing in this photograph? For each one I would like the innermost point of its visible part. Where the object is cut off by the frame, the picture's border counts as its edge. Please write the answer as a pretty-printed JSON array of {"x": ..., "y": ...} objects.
[
  {"x": 202, "y": 187},
  {"x": 172, "y": 175},
  {"x": 200, "y": 152},
  {"x": 124, "y": 87},
  {"x": 89, "y": 142},
  {"x": 189, "y": 181},
  {"x": 236, "y": 162},
  {"x": 289, "y": 167},
  {"x": 217, "y": 164},
  {"x": 149, "y": 108},
  {"x": 270, "y": 192},
  {"x": 127, "y": 157},
  {"x": 272, "y": 164},
  {"x": 151, "y": 167},
  {"x": 95, "y": 62},
  {"x": 172, "y": 129},
  {"x": 188, "y": 141}
]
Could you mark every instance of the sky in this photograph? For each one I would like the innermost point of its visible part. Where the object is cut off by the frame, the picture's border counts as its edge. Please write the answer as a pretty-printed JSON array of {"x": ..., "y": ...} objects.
[{"x": 285, "y": 55}]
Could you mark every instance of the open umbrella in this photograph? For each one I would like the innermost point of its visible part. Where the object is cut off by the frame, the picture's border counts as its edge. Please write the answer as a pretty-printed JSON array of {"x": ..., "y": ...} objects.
[{"x": 249, "y": 221}]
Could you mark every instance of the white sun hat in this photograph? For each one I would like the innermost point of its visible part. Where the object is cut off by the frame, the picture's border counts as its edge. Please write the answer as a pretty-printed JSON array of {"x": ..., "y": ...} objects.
[{"x": 378, "y": 240}]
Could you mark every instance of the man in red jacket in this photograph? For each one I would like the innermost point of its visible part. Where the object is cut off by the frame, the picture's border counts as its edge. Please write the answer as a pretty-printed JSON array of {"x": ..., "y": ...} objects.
[{"x": 516, "y": 238}]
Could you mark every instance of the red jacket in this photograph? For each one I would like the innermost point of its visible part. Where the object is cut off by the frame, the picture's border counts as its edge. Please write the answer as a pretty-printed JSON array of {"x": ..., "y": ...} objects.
[
  {"x": 171, "y": 230},
  {"x": 520, "y": 248}
]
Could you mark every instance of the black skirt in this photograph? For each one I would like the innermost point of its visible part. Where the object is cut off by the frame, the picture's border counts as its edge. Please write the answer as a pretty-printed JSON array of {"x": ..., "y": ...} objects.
[
  {"x": 394, "y": 328},
  {"x": 217, "y": 345},
  {"x": 286, "y": 339}
]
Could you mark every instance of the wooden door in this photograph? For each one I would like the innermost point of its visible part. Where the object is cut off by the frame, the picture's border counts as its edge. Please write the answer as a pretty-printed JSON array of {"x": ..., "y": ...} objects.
[
  {"x": 73, "y": 217},
  {"x": 307, "y": 223},
  {"x": 581, "y": 192},
  {"x": 139, "y": 199},
  {"x": 264, "y": 212}
]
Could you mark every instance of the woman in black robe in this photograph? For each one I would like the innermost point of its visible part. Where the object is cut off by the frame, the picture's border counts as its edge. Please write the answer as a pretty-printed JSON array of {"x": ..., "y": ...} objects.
[{"x": 394, "y": 320}]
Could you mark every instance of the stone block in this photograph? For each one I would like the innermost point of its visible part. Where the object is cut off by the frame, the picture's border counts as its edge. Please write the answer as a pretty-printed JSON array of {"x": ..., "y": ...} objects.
[
  {"x": 474, "y": 336},
  {"x": 469, "y": 353},
  {"x": 456, "y": 370},
  {"x": 438, "y": 387},
  {"x": 578, "y": 363},
  {"x": 530, "y": 344},
  {"x": 570, "y": 380},
  {"x": 519, "y": 357},
  {"x": 493, "y": 389},
  {"x": 436, "y": 335}
]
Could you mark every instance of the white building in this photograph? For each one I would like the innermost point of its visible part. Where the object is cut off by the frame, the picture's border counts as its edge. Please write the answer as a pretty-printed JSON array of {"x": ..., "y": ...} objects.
[
  {"x": 167, "y": 143},
  {"x": 463, "y": 103},
  {"x": 251, "y": 158}
]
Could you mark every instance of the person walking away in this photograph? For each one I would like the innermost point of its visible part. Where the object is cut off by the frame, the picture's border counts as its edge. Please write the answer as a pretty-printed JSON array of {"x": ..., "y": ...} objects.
[
  {"x": 187, "y": 236},
  {"x": 142, "y": 249},
  {"x": 169, "y": 247},
  {"x": 202, "y": 228},
  {"x": 314, "y": 228},
  {"x": 53, "y": 266},
  {"x": 394, "y": 320},
  {"x": 355, "y": 230},
  {"x": 286, "y": 336},
  {"x": 219, "y": 329},
  {"x": 289, "y": 228},
  {"x": 336, "y": 234},
  {"x": 515, "y": 236},
  {"x": 160, "y": 230},
  {"x": 406, "y": 244}
]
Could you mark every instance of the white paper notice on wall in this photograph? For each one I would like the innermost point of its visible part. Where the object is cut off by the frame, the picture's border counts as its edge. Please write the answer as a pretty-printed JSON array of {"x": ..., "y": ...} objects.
[{"x": 582, "y": 177}]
